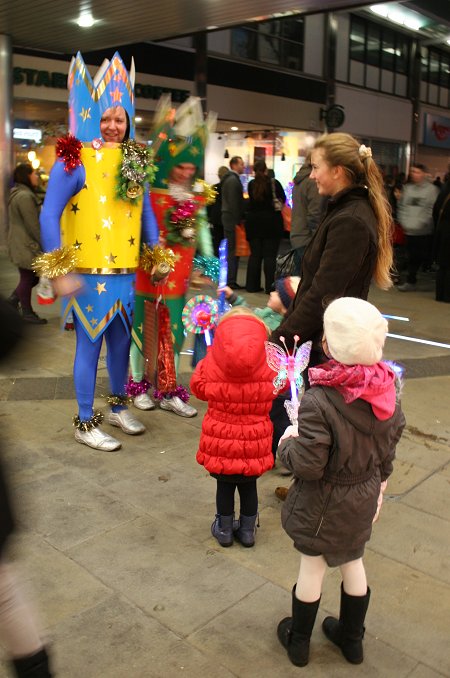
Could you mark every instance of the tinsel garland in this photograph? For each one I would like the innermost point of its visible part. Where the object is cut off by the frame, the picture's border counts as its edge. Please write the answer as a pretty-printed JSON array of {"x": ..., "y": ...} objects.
[
  {"x": 208, "y": 191},
  {"x": 58, "y": 262},
  {"x": 163, "y": 259},
  {"x": 69, "y": 148},
  {"x": 208, "y": 266},
  {"x": 115, "y": 400},
  {"x": 181, "y": 392},
  {"x": 135, "y": 170},
  {"x": 135, "y": 388},
  {"x": 88, "y": 425}
]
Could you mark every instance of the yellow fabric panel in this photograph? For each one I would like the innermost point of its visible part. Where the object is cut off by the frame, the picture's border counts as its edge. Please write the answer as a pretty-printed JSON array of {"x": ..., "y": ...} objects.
[{"x": 105, "y": 230}]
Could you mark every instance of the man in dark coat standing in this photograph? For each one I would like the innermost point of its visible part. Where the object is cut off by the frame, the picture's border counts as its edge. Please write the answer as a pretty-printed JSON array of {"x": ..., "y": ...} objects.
[
  {"x": 232, "y": 214},
  {"x": 308, "y": 208}
]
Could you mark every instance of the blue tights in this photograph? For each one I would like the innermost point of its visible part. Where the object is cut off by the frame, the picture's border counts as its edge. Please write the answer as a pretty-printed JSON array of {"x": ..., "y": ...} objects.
[{"x": 86, "y": 362}]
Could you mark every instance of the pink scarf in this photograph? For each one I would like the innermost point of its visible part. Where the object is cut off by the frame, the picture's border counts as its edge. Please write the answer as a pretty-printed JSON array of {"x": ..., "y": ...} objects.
[{"x": 373, "y": 383}]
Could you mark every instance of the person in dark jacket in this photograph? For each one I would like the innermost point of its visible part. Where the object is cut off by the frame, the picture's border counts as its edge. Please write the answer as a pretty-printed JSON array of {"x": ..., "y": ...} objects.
[
  {"x": 24, "y": 238},
  {"x": 350, "y": 422},
  {"x": 263, "y": 227},
  {"x": 214, "y": 212},
  {"x": 351, "y": 246},
  {"x": 232, "y": 195},
  {"x": 308, "y": 208},
  {"x": 441, "y": 245},
  {"x": 235, "y": 444},
  {"x": 18, "y": 631}
]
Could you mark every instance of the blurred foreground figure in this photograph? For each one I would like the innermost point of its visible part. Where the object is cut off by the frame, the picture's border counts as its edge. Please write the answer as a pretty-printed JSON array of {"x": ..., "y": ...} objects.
[{"x": 18, "y": 632}]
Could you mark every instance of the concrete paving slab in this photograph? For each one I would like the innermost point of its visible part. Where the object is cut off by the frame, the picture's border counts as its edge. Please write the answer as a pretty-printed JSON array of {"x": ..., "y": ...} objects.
[
  {"x": 66, "y": 508},
  {"x": 431, "y": 497},
  {"x": 421, "y": 451},
  {"x": 60, "y": 587},
  {"x": 431, "y": 421},
  {"x": 405, "y": 476},
  {"x": 407, "y": 536},
  {"x": 115, "y": 639},
  {"x": 184, "y": 589}
]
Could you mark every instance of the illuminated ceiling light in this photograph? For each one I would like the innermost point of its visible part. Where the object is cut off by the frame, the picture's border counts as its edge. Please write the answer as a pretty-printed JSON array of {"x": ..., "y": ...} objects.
[
  {"x": 448, "y": 41},
  {"x": 381, "y": 10},
  {"x": 35, "y": 163},
  {"x": 400, "y": 16},
  {"x": 234, "y": 128},
  {"x": 138, "y": 119},
  {"x": 86, "y": 20},
  {"x": 32, "y": 156}
]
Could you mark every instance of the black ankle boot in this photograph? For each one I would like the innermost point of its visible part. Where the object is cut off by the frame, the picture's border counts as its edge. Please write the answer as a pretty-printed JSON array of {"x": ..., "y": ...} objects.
[
  {"x": 294, "y": 633},
  {"x": 347, "y": 632},
  {"x": 246, "y": 530},
  {"x": 34, "y": 666},
  {"x": 31, "y": 317}
]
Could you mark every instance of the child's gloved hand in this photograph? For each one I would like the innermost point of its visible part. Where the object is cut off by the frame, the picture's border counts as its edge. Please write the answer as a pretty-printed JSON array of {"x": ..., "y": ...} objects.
[
  {"x": 228, "y": 291},
  {"x": 290, "y": 432}
]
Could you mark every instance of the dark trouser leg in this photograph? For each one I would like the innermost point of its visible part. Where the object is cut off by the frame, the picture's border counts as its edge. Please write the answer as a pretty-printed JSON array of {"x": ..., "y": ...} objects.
[
  {"x": 229, "y": 232},
  {"x": 418, "y": 247},
  {"x": 28, "y": 280},
  {"x": 279, "y": 419},
  {"x": 225, "y": 497},
  {"x": 217, "y": 235},
  {"x": 270, "y": 251},
  {"x": 248, "y": 495},
  {"x": 253, "y": 278},
  {"x": 298, "y": 256}
]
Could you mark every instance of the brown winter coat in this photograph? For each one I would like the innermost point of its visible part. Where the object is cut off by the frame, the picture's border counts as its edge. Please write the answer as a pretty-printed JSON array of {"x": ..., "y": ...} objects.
[
  {"x": 339, "y": 261},
  {"x": 24, "y": 230},
  {"x": 339, "y": 460}
]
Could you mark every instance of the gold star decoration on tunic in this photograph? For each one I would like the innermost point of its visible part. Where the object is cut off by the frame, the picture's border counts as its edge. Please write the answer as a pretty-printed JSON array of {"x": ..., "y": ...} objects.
[
  {"x": 171, "y": 284},
  {"x": 85, "y": 114},
  {"x": 177, "y": 257},
  {"x": 98, "y": 155},
  {"x": 101, "y": 287},
  {"x": 107, "y": 223},
  {"x": 74, "y": 207},
  {"x": 131, "y": 241},
  {"x": 102, "y": 199},
  {"x": 141, "y": 327},
  {"x": 111, "y": 259},
  {"x": 116, "y": 95},
  {"x": 97, "y": 237},
  {"x": 129, "y": 214},
  {"x": 89, "y": 309},
  {"x": 77, "y": 245},
  {"x": 105, "y": 175},
  {"x": 93, "y": 322}
]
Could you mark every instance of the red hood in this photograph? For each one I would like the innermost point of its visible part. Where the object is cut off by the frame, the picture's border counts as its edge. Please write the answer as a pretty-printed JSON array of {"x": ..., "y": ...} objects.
[{"x": 238, "y": 347}]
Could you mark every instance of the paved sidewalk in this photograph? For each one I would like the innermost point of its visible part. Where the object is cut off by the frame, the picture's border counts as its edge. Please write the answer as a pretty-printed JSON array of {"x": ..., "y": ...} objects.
[{"x": 117, "y": 552}]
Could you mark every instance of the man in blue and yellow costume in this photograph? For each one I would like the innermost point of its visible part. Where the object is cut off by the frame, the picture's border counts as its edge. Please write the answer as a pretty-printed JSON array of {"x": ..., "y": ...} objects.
[{"x": 95, "y": 213}]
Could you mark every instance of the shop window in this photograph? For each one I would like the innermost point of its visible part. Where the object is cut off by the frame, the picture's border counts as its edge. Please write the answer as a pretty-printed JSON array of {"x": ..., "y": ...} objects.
[
  {"x": 244, "y": 43},
  {"x": 373, "y": 45},
  {"x": 278, "y": 42},
  {"x": 388, "y": 50},
  {"x": 358, "y": 39}
]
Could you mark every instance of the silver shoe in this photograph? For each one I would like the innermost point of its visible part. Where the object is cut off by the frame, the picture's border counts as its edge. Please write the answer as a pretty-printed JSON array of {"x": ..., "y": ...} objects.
[
  {"x": 144, "y": 402},
  {"x": 176, "y": 405},
  {"x": 97, "y": 439},
  {"x": 126, "y": 421}
]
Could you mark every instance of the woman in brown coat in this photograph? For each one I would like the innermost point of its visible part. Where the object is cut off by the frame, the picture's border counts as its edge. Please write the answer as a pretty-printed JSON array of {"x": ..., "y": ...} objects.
[
  {"x": 24, "y": 238},
  {"x": 352, "y": 244}
]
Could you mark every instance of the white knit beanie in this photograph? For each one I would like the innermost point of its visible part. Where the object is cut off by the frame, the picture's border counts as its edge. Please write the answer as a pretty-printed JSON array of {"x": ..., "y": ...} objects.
[{"x": 355, "y": 331}]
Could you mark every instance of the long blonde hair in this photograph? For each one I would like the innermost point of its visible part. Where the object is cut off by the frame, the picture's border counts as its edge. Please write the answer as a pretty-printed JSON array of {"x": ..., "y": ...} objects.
[{"x": 344, "y": 150}]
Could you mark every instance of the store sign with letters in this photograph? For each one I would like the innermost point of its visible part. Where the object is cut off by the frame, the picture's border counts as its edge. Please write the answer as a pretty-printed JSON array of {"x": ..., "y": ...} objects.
[{"x": 437, "y": 131}]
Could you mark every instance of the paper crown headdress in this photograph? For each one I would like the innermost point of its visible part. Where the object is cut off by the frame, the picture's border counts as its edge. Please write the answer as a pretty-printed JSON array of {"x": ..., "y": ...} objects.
[
  {"x": 90, "y": 97},
  {"x": 179, "y": 136}
]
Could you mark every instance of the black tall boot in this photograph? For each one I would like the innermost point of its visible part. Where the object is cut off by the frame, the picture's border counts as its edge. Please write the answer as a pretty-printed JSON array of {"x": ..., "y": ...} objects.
[
  {"x": 294, "y": 632},
  {"x": 348, "y": 632},
  {"x": 14, "y": 300},
  {"x": 34, "y": 666}
]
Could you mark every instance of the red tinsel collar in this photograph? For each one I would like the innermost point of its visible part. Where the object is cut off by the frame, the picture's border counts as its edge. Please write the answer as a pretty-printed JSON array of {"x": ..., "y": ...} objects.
[{"x": 69, "y": 149}]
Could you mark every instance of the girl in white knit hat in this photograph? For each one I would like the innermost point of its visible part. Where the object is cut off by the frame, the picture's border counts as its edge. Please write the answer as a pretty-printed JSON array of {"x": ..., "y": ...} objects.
[{"x": 349, "y": 424}]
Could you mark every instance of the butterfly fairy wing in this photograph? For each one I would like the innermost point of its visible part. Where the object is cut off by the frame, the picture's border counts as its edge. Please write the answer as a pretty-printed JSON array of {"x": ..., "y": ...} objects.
[
  {"x": 302, "y": 356},
  {"x": 276, "y": 357},
  {"x": 280, "y": 380}
]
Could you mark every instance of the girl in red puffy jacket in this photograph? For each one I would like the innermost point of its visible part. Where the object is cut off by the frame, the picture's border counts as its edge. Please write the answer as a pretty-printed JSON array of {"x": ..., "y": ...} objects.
[{"x": 236, "y": 438}]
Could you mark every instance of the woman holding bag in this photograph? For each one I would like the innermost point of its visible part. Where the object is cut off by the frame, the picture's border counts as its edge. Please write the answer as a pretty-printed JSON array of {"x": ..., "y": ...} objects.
[{"x": 263, "y": 227}]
